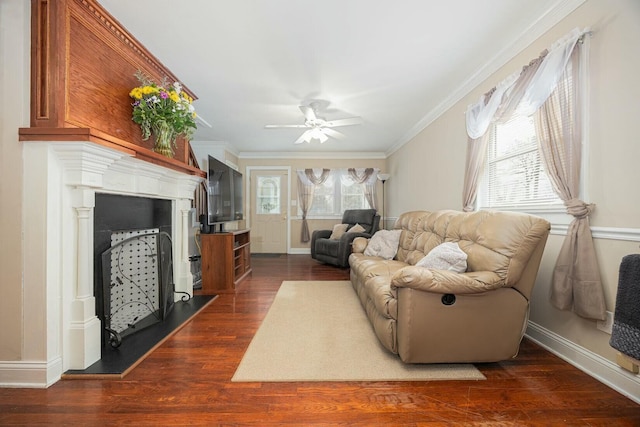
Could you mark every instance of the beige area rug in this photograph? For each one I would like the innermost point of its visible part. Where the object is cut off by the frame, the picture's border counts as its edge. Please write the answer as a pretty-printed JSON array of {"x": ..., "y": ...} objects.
[{"x": 318, "y": 331}]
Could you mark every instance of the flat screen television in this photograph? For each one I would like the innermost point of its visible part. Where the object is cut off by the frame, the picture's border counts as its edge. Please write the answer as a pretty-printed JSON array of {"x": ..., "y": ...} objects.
[{"x": 224, "y": 193}]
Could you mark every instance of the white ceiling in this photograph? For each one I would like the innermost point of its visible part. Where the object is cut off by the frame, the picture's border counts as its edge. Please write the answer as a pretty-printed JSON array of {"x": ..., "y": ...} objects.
[{"x": 395, "y": 64}]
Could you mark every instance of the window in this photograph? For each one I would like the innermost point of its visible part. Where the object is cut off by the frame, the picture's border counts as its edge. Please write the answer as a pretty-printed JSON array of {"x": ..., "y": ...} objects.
[
  {"x": 337, "y": 194},
  {"x": 515, "y": 178}
]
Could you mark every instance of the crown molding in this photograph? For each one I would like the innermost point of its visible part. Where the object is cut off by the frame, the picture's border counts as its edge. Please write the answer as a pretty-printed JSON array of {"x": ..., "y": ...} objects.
[
  {"x": 222, "y": 145},
  {"x": 548, "y": 20},
  {"x": 312, "y": 155}
]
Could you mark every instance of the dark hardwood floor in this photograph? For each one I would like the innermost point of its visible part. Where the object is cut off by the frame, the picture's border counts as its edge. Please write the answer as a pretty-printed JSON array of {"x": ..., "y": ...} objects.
[{"x": 186, "y": 381}]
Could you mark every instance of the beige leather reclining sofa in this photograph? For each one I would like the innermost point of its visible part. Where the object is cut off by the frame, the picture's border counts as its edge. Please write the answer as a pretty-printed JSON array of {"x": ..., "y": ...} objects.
[{"x": 439, "y": 316}]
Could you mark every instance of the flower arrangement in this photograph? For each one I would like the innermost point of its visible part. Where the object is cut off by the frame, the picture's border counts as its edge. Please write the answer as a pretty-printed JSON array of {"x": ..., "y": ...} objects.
[{"x": 164, "y": 110}]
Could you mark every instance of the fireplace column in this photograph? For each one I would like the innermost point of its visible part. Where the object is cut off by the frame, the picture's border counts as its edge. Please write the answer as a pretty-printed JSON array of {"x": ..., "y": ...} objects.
[
  {"x": 85, "y": 327},
  {"x": 84, "y": 166},
  {"x": 183, "y": 265}
]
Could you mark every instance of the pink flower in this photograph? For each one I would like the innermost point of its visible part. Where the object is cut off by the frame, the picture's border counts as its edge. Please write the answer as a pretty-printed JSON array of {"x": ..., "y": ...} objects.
[{"x": 164, "y": 95}]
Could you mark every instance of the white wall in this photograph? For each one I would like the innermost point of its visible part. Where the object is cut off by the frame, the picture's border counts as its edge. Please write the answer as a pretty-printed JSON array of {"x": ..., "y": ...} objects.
[
  {"x": 14, "y": 113},
  {"x": 427, "y": 172}
]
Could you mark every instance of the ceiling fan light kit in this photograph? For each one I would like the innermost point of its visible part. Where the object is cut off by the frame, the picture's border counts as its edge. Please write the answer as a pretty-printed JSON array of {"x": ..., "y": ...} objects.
[
  {"x": 316, "y": 133},
  {"x": 318, "y": 127}
]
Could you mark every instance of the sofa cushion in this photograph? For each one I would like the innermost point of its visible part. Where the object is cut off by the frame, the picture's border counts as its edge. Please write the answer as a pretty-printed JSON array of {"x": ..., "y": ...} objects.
[
  {"x": 383, "y": 244},
  {"x": 338, "y": 231},
  {"x": 367, "y": 267},
  {"x": 446, "y": 256}
]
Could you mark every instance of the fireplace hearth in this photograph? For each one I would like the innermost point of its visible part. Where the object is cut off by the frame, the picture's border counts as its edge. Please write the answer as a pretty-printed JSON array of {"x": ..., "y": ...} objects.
[{"x": 117, "y": 362}]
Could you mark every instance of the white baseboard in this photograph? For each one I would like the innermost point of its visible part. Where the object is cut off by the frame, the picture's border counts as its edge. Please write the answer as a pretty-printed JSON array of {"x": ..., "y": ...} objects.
[
  {"x": 26, "y": 374},
  {"x": 591, "y": 363},
  {"x": 300, "y": 251}
]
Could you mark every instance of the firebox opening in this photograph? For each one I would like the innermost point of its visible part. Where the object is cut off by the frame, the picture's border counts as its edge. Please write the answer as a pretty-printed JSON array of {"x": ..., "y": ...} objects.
[{"x": 133, "y": 281}]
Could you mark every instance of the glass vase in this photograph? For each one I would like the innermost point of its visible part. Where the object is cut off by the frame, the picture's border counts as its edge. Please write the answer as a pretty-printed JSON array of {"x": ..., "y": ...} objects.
[{"x": 165, "y": 139}]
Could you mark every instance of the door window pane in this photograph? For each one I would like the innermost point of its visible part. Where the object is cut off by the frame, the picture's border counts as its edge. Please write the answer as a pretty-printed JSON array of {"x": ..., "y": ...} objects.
[{"x": 268, "y": 195}]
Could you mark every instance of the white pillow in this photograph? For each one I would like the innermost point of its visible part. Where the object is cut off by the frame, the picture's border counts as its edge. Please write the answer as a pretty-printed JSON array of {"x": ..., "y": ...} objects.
[
  {"x": 446, "y": 256},
  {"x": 338, "y": 231},
  {"x": 384, "y": 244}
]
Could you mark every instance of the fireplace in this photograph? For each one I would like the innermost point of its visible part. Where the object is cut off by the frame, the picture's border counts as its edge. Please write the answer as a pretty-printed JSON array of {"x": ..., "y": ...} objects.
[
  {"x": 133, "y": 275},
  {"x": 64, "y": 188},
  {"x": 81, "y": 142}
]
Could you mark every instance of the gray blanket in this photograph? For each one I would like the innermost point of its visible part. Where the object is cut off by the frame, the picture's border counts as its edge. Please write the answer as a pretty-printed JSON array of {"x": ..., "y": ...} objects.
[{"x": 625, "y": 336}]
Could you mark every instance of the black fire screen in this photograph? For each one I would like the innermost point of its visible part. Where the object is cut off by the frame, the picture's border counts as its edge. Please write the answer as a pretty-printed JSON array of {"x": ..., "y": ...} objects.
[{"x": 137, "y": 282}]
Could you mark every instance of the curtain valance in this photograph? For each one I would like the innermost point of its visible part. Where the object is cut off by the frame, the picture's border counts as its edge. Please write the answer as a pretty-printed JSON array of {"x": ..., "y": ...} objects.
[{"x": 554, "y": 61}]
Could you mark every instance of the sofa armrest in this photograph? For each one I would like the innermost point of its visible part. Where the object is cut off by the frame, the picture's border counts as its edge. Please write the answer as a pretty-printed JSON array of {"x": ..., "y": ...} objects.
[
  {"x": 348, "y": 238},
  {"x": 345, "y": 248},
  {"x": 445, "y": 282},
  {"x": 318, "y": 234},
  {"x": 321, "y": 234},
  {"x": 359, "y": 244}
]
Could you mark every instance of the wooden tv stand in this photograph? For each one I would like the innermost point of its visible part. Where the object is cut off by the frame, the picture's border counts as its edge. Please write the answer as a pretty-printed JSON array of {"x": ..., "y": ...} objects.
[{"x": 226, "y": 260}]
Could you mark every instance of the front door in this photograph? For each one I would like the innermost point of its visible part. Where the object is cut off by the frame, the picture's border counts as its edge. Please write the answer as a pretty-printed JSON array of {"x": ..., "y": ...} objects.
[{"x": 269, "y": 195}]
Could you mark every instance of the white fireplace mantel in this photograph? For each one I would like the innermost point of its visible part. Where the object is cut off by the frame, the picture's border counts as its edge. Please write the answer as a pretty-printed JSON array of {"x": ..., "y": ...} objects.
[{"x": 61, "y": 330}]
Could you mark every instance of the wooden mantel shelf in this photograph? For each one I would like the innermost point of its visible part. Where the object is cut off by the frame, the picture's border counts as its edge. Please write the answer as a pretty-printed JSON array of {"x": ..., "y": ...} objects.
[
  {"x": 83, "y": 66},
  {"x": 101, "y": 138}
]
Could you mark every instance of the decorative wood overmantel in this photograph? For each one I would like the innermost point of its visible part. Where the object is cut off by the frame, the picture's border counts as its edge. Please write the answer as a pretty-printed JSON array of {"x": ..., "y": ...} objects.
[{"x": 82, "y": 70}]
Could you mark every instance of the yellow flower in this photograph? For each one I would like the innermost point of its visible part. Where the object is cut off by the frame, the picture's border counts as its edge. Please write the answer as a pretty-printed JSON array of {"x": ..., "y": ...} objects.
[
  {"x": 174, "y": 96},
  {"x": 147, "y": 90},
  {"x": 136, "y": 93}
]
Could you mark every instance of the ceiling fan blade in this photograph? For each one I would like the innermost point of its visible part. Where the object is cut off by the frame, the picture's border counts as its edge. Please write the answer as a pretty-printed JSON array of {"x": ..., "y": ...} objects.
[
  {"x": 303, "y": 138},
  {"x": 308, "y": 112},
  {"x": 284, "y": 126},
  {"x": 333, "y": 133},
  {"x": 345, "y": 122}
]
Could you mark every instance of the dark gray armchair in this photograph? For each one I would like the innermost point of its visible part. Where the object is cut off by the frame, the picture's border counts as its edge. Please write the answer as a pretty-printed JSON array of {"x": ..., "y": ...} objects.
[{"x": 337, "y": 251}]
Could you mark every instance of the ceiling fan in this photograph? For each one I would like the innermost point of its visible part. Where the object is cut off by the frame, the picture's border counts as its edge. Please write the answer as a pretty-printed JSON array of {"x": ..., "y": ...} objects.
[{"x": 318, "y": 127}]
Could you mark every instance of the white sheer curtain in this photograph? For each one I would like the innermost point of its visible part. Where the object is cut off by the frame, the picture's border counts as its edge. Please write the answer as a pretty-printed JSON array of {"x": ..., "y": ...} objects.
[
  {"x": 307, "y": 181},
  {"x": 576, "y": 281},
  {"x": 576, "y": 277},
  {"x": 367, "y": 177}
]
